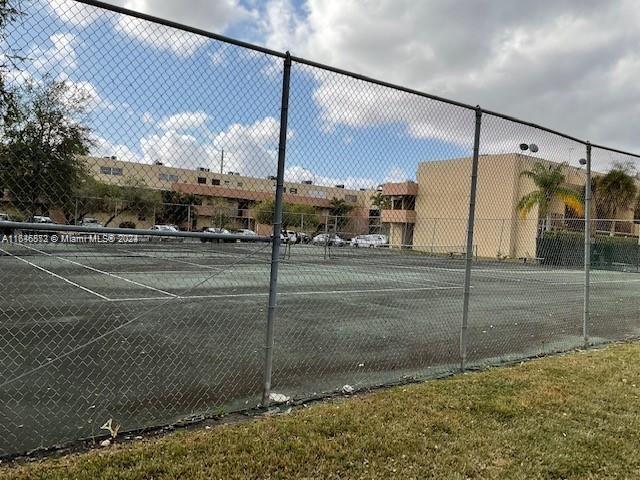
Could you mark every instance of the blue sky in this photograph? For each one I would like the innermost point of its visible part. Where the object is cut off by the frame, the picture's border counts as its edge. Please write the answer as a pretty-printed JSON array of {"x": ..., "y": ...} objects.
[{"x": 160, "y": 94}]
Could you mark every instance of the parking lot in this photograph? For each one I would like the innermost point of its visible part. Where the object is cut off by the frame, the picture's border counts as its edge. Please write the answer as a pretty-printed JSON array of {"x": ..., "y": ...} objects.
[{"x": 149, "y": 333}]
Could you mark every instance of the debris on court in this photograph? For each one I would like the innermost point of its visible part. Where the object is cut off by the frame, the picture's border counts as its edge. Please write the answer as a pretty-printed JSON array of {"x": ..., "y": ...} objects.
[
  {"x": 278, "y": 398},
  {"x": 113, "y": 430},
  {"x": 347, "y": 389},
  {"x": 105, "y": 443}
]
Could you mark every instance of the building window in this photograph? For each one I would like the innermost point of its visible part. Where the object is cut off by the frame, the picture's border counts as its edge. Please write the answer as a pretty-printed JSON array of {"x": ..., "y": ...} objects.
[
  {"x": 167, "y": 177},
  {"x": 215, "y": 181},
  {"x": 351, "y": 198},
  {"x": 240, "y": 184},
  {"x": 202, "y": 180},
  {"x": 293, "y": 190},
  {"x": 116, "y": 171},
  {"x": 105, "y": 170},
  {"x": 226, "y": 182}
]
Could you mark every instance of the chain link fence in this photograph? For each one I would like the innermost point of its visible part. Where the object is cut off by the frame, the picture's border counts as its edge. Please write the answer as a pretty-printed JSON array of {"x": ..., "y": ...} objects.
[{"x": 192, "y": 225}]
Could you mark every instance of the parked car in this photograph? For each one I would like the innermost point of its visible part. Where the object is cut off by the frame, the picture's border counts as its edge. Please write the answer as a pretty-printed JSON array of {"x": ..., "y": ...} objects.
[
  {"x": 247, "y": 233},
  {"x": 218, "y": 231},
  {"x": 330, "y": 239},
  {"x": 165, "y": 228},
  {"x": 303, "y": 238},
  {"x": 40, "y": 219},
  {"x": 289, "y": 236},
  {"x": 370, "y": 241},
  {"x": 90, "y": 222}
]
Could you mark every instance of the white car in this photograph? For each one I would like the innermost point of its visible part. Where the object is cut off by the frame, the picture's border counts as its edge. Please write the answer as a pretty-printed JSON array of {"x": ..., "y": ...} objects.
[
  {"x": 165, "y": 228},
  {"x": 370, "y": 241},
  {"x": 246, "y": 232},
  {"x": 289, "y": 236},
  {"x": 330, "y": 239},
  {"x": 218, "y": 231},
  {"x": 90, "y": 222},
  {"x": 40, "y": 219}
]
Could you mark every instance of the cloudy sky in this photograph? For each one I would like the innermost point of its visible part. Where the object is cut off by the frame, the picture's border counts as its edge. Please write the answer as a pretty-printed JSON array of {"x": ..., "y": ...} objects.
[{"x": 159, "y": 94}]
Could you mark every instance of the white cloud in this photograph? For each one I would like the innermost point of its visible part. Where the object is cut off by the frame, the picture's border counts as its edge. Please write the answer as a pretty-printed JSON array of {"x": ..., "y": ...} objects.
[
  {"x": 177, "y": 150},
  {"x": 184, "y": 121},
  {"x": 296, "y": 173},
  {"x": 568, "y": 64},
  {"x": 158, "y": 36},
  {"x": 104, "y": 148},
  {"x": 86, "y": 93},
  {"x": 212, "y": 16},
  {"x": 148, "y": 118},
  {"x": 75, "y": 13},
  {"x": 250, "y": 149},
  {"x": 59, "y": 59},
  {"x": 396, "y": 174},
  {"x": 218, "y": 57}
]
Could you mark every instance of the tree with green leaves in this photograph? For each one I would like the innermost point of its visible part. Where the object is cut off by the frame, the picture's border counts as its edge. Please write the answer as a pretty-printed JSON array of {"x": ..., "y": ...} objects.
[
  {"x": 614, "y": 192},
  {"x": 294, "y": 215},
  {"x": 550, "y": 185},
  {"x": 381, "y": 201},
  {"x": 9, "y": 11},
  {"x": 175, "y": 208},
  {"x": 94, "y": 196},
  {"x": 41, "y": 145},
  {"x": 340, "y": 209}
]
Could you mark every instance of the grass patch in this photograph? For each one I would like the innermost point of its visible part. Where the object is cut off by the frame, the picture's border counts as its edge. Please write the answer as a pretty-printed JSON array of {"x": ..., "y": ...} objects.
[{"x": 572, "y": 416}]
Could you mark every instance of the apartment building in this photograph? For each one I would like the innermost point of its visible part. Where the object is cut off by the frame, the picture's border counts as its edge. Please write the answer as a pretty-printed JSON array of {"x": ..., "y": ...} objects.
[
  {"x": 431, "y": 214},
  {"x": 230, "y": 194}
]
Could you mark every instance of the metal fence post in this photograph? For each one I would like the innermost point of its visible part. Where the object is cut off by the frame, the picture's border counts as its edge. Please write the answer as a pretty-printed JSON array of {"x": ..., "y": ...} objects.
[
  {"x": 469, "y": 249},
  {"x": 587, "y": 248},
  {"x": 277, "y": 225}
]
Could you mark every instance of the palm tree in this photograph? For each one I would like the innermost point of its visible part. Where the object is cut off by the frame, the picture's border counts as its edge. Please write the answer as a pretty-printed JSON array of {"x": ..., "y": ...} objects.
[
  {"x": 549, "y": 181},
  {"x": 614, "y": 192},
  {"x": 381, "y": 201}
]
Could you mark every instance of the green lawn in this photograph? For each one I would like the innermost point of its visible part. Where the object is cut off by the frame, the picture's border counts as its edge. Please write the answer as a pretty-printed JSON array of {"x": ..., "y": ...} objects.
[{"x": 572, "y": 416}]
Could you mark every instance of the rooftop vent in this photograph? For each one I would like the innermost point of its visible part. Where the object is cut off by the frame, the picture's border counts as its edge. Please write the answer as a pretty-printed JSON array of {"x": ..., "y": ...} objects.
[{"x": 340, "y": 186}]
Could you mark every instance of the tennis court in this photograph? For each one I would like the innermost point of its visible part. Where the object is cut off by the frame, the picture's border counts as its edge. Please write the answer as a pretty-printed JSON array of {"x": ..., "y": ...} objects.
[{"x": 150, "y": 333}]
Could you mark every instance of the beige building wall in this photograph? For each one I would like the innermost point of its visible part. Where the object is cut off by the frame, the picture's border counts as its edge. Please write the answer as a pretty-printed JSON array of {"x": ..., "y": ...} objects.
[
  {"x": 442, "y": 205},
  {"x": 222, "y": 191}
]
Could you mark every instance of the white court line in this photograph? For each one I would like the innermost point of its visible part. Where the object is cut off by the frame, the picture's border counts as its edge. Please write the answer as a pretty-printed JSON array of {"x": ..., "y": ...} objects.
[
  {"x": 49, "y": 272},
  {"x": 265, "y": 294},
  {"x": 102, "y": 272}
]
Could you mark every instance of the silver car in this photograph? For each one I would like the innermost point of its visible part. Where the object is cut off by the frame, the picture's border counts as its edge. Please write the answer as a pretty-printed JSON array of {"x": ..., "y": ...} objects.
[{"x": 330, "y": 239}]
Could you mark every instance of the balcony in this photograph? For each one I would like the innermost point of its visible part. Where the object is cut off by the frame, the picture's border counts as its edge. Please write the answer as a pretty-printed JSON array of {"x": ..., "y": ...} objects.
[
  {"x": 400, "y": 189},
  {"x": 398, "y": 216}
]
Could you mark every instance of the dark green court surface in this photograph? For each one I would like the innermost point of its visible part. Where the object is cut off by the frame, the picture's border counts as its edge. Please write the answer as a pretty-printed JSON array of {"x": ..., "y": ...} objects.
[{"x": 150, "y": 333}]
